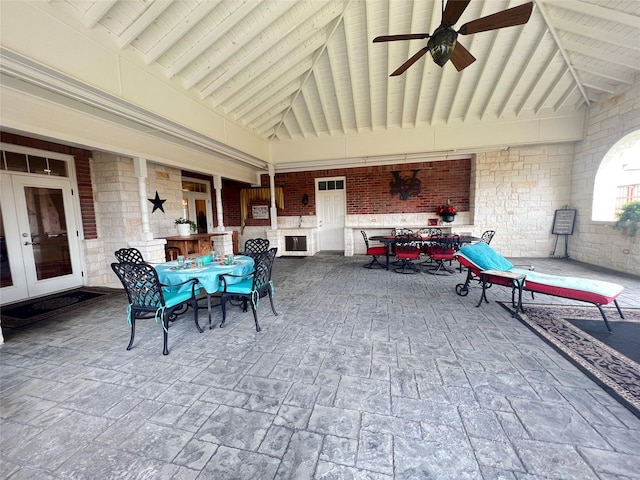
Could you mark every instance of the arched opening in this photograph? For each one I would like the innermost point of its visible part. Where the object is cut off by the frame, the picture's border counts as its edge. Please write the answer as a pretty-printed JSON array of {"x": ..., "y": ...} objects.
[{"x": 618, "y": 178}]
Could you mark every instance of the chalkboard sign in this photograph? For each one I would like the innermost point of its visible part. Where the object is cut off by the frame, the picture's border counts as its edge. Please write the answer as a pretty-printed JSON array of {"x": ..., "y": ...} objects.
[{"x": 563, "y": 221}]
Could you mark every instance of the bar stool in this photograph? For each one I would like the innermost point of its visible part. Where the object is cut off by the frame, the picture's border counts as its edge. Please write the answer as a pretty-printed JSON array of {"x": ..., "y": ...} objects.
[{"x": 171, "y": 253}]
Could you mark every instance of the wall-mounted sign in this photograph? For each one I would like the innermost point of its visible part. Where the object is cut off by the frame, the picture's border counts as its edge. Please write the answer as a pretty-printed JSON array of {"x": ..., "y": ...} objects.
[{"x": 260, "y": 211}]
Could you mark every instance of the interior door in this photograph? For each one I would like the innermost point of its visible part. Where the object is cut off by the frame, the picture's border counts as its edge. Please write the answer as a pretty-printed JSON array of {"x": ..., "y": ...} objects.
[
  {"x": 41, "y": 251},
  {"x": 331, "y": 208}
]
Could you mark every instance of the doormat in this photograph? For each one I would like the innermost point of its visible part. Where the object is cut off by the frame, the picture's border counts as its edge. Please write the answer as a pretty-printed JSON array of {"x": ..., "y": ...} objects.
[
  {"x": 24, "y": 313},
  {"x": 572, "y": 331}
]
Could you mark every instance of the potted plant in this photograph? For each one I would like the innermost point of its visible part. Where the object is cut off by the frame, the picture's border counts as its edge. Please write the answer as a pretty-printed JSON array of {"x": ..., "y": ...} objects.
[
  {"x": 447, "y": 212},
  {"x": 629, "y": 218},
  {"x": 185, "y": 226}
]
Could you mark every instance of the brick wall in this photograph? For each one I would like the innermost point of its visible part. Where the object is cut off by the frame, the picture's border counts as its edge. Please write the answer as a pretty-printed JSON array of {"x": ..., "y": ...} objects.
[
  {"x": 85, "y": 194},
  {"x": 368, "y": 188}
]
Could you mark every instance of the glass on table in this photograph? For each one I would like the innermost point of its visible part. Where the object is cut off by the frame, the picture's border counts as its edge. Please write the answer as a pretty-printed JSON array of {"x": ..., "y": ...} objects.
[{"x": 180, "y": 259}]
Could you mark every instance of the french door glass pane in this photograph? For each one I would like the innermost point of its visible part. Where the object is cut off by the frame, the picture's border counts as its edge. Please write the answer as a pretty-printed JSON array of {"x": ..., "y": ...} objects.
[
  {"x": 201, "y": 214},
  {"x": 48, "y": 227},
  {"x": 5, "y": 268}
]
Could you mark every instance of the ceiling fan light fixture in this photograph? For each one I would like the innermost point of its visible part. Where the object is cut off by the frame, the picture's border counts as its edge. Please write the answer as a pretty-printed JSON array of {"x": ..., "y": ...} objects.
[{"x": 441, "y": 46}]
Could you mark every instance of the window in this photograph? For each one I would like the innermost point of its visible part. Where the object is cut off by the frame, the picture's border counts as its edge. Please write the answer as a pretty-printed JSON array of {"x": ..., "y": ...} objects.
[
  {"x": 617, "y": 181},
  {"x": 23, "y": 162},
  {"x": 331, "y": 185}
]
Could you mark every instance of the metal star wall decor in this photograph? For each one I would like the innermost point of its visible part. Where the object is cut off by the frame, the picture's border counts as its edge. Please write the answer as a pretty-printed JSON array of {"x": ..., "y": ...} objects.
[{"x": 157, "y": 203}]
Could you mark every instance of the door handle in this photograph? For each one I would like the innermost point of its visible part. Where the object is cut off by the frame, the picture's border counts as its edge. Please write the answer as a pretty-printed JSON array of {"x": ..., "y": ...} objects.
[{"x": 31, "y": 243}]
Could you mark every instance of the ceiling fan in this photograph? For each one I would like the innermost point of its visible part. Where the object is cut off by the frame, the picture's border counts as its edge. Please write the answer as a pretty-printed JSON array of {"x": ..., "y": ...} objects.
[{"x": 443, "y": 44}]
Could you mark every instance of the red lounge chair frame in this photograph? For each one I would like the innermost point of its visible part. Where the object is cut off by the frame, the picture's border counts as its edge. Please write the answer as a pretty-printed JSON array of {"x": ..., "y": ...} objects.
[{"x": 530, "y": 285}]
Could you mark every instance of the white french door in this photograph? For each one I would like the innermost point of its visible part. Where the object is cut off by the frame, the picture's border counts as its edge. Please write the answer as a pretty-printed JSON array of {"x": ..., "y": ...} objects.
[
  {"x": 331, "y": 204},
  {"x": 40, "y": 246}
]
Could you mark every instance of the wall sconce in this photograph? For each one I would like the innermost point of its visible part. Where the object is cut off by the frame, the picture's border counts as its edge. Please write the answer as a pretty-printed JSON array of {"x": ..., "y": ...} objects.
[{"x": 305, "y": 200}]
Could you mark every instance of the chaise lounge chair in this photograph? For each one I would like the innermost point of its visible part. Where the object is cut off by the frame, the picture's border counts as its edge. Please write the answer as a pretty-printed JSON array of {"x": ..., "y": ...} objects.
[{"x": 481, "y": 257}]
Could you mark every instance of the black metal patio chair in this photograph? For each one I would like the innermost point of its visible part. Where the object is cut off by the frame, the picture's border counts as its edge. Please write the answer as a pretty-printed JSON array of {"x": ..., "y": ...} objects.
[
  {"x": 407, "y": 252},
  {"x": 443, "y": 250},
  {"x": 487, "y": 236},
  {"x": 255, "y": 246},
  {"x": 132, "y": 255},
  {"x": 375, "y": 251},
  {"x": 251, "y": 287},
  {"x": 150, "y": 298}
]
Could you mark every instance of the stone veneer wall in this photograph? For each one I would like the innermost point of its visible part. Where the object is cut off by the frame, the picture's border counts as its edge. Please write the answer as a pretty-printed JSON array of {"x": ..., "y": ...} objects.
[
  {"x": 118, "y": 218},
  {"x": 596, "y": 242},
  {"x": 516, "y": 194}
]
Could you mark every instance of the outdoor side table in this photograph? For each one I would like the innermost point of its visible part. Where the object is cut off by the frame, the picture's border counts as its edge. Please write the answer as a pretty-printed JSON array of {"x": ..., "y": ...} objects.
[{"x": 517, "y": 282}]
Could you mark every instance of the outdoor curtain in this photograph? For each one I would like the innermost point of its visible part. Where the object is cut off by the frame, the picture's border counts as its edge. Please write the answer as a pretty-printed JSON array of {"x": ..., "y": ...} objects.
[{"x": 247, "y": 196}]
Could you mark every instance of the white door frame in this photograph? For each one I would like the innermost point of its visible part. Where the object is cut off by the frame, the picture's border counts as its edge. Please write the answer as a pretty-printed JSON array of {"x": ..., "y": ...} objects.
[
  {"x": 191, "y": 197},
  {"x": 322, "y": 243},
  {"x": 16, "y": 225}
]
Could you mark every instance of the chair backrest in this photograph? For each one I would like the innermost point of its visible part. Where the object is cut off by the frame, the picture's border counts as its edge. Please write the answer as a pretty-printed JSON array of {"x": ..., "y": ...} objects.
[
  {"x": 487, "y": 236},
  {"x": 129, "y": 255},
  {"x": 446, "y": 245},
  {"x": 429, "y": 231},
  {"x": 366, "y": 239},
  {"x": 401, "y": 231},
  {"x": 255, "y": 246},
  {"x": 141, "y": 283},
  {"x": 408, "y": 247},
  {"x": 262, "y": 271},
  {"x": 171, "y": 252}
]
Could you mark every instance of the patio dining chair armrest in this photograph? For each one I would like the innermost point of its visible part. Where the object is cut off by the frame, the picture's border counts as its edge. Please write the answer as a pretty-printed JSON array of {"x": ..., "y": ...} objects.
[
  {"x": 193, "y": 281},
  {"x": 244, "y": 276}
]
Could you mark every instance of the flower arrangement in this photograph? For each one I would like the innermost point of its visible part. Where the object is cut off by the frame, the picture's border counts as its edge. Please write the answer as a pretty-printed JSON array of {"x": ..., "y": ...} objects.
[
  {"x": 446, "y": 210},
  {"x": 186, "y": 221}
]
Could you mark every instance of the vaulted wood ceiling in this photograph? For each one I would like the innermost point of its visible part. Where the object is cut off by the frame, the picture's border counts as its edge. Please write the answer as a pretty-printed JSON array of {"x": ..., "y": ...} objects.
[{"x": 301, "y": 69}]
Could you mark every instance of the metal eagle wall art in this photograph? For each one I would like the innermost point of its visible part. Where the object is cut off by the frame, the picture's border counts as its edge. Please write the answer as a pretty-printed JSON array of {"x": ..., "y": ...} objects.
[{"x": 406, "y": 187}]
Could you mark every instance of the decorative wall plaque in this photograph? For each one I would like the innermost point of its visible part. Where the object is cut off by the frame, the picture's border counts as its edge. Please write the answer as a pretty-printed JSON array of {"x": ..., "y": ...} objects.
[{"x": 260, "y": 211}]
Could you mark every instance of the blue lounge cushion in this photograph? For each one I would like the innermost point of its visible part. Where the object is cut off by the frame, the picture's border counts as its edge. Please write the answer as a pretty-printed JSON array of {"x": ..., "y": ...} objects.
[
  {"x": 599, "y": 287},
  {"x": 485, "y": 257}
]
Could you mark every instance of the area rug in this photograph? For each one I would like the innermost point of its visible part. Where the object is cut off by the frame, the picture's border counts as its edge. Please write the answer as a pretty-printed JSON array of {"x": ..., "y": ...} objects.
[
  {"x": 615, "y": 372},
  {"x": 30, "y": 311}
]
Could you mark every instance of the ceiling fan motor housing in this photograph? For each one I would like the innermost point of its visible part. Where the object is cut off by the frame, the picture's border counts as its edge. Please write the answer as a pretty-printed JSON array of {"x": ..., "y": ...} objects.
[{"x": 441, "y": 44}]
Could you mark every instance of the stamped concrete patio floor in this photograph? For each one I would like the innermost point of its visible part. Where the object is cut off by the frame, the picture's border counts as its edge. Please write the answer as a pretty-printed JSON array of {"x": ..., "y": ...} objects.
[{"x": 365, "y": 374}]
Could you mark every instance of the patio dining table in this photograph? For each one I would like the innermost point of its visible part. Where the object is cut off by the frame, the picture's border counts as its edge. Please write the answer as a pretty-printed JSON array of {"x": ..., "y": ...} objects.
[
  {"x": 208, "y": 276},
  {"x": 390, "y": 240}
]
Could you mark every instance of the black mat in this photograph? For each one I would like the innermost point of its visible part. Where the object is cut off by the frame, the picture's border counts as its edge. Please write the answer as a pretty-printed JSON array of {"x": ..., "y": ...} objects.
[
  {"x": 579, "y": 334},
  {"x": 24, "y": 313}
]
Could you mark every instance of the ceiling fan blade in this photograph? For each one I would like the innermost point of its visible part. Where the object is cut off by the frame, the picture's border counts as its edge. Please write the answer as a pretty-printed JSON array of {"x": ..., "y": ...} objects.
[
  {"x": 461, "y": 57},
  {"x": 406, "y": 36},
  {"x": 402, "y": 68},
  {"x": 506, "y": 18},
  {"x": 454, "y": 10}
]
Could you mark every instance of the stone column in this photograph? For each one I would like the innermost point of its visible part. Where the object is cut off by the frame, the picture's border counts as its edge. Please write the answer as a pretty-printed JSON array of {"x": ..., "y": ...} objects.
[
  {"x": 274, "y": 209},
  {"x": 140, "y": 169},
  {"x": 217, "y": 186}
]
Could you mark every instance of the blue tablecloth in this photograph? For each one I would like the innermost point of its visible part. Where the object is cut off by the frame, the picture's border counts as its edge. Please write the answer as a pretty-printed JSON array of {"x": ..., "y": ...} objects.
[{"x": 208, "y": 276}]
